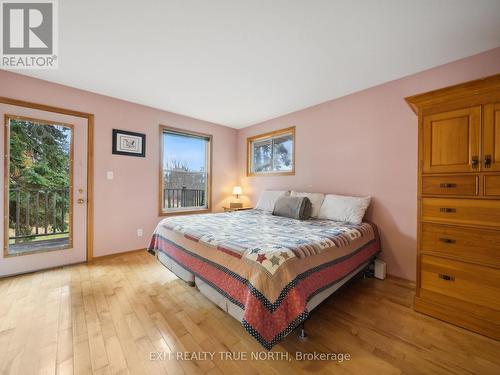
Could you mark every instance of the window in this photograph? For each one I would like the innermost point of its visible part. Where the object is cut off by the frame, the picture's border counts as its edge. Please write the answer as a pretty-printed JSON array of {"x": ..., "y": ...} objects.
[
  {"x": 185, "y": 171},
  {"x": 271, "y": 153}
]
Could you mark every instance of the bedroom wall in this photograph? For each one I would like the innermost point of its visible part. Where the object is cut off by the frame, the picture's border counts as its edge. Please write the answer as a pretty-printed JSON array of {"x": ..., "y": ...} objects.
[
  {"x": 130, "y": 201},
  {"x": 366, "y": 144}
]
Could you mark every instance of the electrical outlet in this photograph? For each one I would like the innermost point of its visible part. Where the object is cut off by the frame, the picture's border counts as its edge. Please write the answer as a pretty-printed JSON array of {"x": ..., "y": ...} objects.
[
  {"x": 110, "y": 175},
  {"x": 140, "y": 232}
]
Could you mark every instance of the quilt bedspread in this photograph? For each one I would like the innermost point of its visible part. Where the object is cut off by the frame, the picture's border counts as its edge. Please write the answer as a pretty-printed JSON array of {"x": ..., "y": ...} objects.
[{"x": 268, "y": 265}]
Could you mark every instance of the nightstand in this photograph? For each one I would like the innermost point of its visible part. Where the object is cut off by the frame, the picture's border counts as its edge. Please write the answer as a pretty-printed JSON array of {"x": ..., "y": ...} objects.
[{"x": 232, "y": 209}]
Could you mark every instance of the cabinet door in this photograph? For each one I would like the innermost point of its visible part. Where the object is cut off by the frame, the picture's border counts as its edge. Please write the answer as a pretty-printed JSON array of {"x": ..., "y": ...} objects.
[
  {"x": 491, "y": 137},
  {"x": 451, "y": 141}
]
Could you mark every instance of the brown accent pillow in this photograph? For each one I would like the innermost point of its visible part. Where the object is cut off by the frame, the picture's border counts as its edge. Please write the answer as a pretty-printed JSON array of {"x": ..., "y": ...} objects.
[{"x": 299, "y": 208}]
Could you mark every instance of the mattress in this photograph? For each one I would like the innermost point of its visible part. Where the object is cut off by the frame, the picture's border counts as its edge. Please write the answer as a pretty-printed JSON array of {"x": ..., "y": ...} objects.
[{"x": 272, "y": 269}]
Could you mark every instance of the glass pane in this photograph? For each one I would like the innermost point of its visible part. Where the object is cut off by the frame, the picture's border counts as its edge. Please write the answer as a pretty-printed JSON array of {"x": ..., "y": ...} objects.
[
  {"x": 185, "y": 178},
  {"x": 282, "y": 153},
  {"x": 262, "y": 158},
  {"x": 39, "y": 186}
]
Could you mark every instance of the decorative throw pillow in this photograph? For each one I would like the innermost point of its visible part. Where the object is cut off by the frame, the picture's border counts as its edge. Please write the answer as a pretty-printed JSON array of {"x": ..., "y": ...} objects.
[
  {"x": 315, "y": 198},
  {"x": 293, "y": 207},
  {"x": 268, "y": 199},
  {"x": 344, "y": 208}
]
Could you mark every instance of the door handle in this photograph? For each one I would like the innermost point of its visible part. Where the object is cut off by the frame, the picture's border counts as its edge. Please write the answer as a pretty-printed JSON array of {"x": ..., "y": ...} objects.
[
  {"x": 475, "y": 162},
  {"x": 487, "y": 161},
  {"x": 80, "y": 201}
]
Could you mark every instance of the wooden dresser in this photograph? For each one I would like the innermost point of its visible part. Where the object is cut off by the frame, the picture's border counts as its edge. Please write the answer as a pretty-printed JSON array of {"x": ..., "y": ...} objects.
[{"x": 458, "y": 246}]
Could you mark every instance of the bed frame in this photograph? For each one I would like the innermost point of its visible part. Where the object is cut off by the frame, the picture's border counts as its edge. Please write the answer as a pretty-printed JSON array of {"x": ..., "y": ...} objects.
[{"x": 364, "y": 270}]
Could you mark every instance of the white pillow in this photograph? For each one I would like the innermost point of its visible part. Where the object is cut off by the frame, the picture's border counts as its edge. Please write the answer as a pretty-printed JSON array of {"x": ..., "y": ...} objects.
[
  {"x": 344, "y": 208},
  {"x": 315, "y": 198},
  {"x": 268, "y": 199}
]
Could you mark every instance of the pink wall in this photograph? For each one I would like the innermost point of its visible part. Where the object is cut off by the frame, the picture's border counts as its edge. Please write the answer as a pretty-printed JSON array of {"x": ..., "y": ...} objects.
[
  {"x": 361, "y": 144},
  {"x": 366, "y": 144},
  {"x": 130, "y": 201}
]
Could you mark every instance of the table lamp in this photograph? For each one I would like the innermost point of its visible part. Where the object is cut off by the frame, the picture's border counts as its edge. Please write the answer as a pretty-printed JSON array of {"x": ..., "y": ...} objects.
[{"x": 237, "y": 192}]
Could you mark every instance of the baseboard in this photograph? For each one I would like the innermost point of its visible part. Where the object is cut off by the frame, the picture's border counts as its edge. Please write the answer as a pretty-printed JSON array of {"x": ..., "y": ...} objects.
[
  {"x": 114, "y": 255},
  {"x": 402, "y": 279}
]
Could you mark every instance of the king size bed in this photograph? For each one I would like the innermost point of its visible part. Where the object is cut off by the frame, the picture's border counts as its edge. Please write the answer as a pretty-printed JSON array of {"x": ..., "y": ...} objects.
[{"x": 268, "y": 272}]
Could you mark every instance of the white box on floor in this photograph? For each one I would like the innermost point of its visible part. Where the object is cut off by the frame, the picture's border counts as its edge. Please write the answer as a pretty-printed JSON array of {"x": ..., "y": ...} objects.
[{"x": 380, "y": 269}]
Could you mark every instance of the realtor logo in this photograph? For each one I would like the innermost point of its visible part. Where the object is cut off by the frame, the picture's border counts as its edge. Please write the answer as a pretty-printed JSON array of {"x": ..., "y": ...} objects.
[{"x": 29, "y": 34}]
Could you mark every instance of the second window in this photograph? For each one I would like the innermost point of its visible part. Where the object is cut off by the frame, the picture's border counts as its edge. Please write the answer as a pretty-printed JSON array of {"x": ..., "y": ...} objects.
[
  {"x": 271, "y": 153},
  {"x": 185, "y": 171}
]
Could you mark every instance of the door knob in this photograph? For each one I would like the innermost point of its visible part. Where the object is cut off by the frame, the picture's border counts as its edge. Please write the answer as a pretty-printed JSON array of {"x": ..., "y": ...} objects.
[
  {"x": 80, "y": 201},
  {"x": 475, "y": 162},
  {"x": 487, "y": 161}
]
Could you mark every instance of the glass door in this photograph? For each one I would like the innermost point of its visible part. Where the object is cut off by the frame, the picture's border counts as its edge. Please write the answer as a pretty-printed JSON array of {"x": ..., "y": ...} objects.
[
  {"x": 45, "y": 189},
  {"x": 40, "y": 188}
]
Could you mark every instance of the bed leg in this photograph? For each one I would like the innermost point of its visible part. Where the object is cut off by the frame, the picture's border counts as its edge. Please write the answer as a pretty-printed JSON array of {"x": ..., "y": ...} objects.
[
  {"x": 368, "y": 272},
  {"x": 302, "y": 334},
  {"x": 191, "y": 283}
]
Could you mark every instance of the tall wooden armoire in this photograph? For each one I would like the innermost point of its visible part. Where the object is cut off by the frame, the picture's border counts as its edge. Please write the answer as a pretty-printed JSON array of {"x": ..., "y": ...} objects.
[{"x": 458, "y": 247}]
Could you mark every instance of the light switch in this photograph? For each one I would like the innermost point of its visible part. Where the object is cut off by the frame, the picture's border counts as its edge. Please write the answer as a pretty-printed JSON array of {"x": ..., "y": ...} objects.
[{"x": 110, "y": 175}]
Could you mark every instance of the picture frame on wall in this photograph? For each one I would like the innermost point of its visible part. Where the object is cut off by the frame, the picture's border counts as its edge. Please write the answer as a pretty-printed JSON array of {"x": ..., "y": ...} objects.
[{"x": 129, "y": 143}]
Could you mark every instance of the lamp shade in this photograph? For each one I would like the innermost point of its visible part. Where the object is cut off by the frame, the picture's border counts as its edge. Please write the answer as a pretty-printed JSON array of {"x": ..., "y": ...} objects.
[{"x": 237, "y": 190}]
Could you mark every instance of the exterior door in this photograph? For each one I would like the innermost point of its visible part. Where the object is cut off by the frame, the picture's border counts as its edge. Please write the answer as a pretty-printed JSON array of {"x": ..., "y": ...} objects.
[
  {"x": 491, "y": 138},
  {"x": 452, "y": 141},
  {"x": 45, "y": 190}
]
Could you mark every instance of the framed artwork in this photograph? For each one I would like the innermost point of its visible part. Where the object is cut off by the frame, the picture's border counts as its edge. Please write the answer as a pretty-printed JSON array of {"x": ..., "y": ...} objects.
[{"x": 129, "y": 143}]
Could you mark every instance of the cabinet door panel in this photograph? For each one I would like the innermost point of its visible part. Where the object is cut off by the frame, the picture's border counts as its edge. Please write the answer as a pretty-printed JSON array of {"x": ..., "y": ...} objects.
[
  {"x": 491, "y": 137},
  {"x": 452, "y": 141}
]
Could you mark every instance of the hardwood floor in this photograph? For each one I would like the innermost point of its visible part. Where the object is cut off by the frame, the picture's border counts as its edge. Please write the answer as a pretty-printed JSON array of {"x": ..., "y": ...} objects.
[{"x": 112, "y": 316}]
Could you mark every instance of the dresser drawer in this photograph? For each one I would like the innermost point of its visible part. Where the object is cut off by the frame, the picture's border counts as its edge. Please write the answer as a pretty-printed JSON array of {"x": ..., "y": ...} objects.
[
  {"x": 492, "y": 185},
  {"x": 473, "y": 245},
  {"x": 450, "y": 185},
  {"x": 462, "y": 211},
  {"x": 463, "y": 281}
]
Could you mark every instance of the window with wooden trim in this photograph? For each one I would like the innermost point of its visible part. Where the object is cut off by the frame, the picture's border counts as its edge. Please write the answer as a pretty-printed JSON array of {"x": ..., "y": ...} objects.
[
  {"x": 185, "y": 171},
  {"x": 271, "y": 153}
]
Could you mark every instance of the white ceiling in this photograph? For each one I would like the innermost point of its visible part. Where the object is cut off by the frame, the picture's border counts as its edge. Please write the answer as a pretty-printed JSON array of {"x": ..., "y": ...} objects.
[{"x": 239, "y": 62}]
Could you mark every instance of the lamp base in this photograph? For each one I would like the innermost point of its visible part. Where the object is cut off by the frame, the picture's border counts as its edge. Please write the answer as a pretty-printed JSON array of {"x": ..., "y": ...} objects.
[{"x": 235, "y": 205}]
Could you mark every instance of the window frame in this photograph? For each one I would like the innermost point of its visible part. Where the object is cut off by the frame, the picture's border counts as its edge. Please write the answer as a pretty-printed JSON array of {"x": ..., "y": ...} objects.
[
  {"x": 270, "y": 135},
  {"x": 189, "y": 210}
]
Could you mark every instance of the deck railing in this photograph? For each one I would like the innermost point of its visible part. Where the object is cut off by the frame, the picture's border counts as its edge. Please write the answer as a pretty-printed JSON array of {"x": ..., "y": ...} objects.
[
  {"x": 183, "y": 197},
  {"x": 38, "y": 212}
]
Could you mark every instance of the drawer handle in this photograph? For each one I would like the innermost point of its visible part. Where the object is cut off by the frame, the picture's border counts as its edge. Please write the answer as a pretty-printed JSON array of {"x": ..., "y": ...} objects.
[
  {"x": 447, "y": 240},
  {"x": 446, "y": 277},
  {"x": 447, "y": 209},
  {"x": 447, "y": 185}
]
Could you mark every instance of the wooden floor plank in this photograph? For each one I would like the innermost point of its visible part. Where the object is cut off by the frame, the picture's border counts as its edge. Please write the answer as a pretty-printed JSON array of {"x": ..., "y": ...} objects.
[{"x": 117, "y": 315}]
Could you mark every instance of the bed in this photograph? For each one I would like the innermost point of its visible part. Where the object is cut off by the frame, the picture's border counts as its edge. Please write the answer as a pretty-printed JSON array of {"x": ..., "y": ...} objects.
[{"x": 268, "y": 272}]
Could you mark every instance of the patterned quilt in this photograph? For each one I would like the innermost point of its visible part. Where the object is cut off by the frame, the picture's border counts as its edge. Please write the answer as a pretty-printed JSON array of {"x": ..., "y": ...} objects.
[{"x": 268, "y": 265}]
